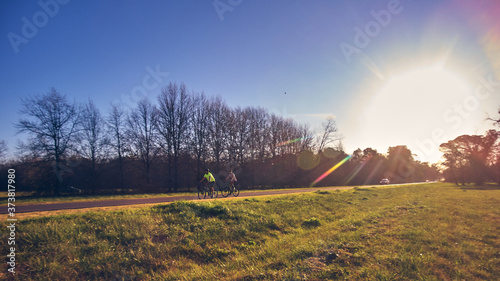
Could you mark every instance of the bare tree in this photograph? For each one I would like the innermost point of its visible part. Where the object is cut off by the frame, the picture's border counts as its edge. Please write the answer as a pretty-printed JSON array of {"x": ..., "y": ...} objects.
[
  {"x": 276, "y": 130},
  {"x": 143, "y": 136},
  {"x": 259, "y": 132},
  {"x": 258, "y": 138},
  {"x": 52, "y": 123},
  {"x": 239, "y": 126},
  {"x": 306, "y": 135},
  {"x": 199, "y": 127},
  {"x": 93, "y": 139},
  {"x": 495, "y": 121},
  {"x": 116, "y": 123},
  {"x": 329, "y": 134},
  {"x": 288, "y": 133},
  {"x": 3, "y": 149},
  {"x": 174, "y": 112},
  {"x": 217, "y": 127}
]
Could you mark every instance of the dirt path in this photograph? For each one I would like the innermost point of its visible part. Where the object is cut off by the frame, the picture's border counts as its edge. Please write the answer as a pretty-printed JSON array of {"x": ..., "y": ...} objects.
[{"x": 137, "y": 201}]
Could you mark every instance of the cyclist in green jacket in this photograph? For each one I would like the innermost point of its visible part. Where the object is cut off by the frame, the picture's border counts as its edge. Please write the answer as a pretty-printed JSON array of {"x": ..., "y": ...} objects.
[{"x": 209, "y": 178}]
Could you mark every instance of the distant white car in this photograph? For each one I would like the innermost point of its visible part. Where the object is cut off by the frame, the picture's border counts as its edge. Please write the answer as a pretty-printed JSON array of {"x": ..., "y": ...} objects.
[{"x": 384, "y": 181}]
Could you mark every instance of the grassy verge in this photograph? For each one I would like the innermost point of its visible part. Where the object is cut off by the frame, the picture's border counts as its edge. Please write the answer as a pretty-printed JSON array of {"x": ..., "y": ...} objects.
[
  {"x": 27, "y": 200},
  {"x": 421, "y": 232}
]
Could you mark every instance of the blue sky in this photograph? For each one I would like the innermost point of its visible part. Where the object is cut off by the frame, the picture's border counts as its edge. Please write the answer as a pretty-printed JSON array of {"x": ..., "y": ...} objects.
[{"x": 251, "y": 52}]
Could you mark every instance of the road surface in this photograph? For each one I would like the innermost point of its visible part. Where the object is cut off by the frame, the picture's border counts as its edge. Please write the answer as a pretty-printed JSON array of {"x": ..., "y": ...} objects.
[{"x": 136, "y": 201}]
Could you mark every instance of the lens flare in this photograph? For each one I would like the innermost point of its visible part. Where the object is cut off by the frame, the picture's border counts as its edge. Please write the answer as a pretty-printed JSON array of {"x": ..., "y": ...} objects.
[
  {"x": 353, "y": 174},
  {"x": 331, "y": 170},
  {"x": 374, "y": 172},
  {"x": 307, "y": 160},
  {"x": 295, "y": 140}
]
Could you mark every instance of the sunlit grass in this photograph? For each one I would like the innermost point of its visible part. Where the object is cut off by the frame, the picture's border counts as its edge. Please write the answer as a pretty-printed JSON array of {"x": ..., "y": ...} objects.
[
  {"x": 28, "y": 199},
  {"x": 421, "y": 232}
]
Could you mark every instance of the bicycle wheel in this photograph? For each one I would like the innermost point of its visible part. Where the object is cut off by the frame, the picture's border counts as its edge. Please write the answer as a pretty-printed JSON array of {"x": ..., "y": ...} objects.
[
  {"x": 225, "y": 191},
  {"x": 201, "y": 193},
  {"x": 236, "y": 191},
  {"x": 216, "y": 193}
]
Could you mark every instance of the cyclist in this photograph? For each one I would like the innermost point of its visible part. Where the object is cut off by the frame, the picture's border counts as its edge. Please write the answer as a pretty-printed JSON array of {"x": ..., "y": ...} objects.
[
  {"x": 209, "y": 178},
  {"x": 232, "y": 177}
]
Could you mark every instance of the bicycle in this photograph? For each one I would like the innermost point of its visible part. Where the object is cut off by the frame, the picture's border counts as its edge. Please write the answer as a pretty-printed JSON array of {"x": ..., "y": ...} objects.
[
  {"x": 204, "y": 191},
  {"x": 228, "y": 189}
]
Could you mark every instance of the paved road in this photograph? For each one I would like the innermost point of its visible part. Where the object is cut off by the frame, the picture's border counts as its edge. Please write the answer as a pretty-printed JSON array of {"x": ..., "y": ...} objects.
[{"x": 124, "y": 202}]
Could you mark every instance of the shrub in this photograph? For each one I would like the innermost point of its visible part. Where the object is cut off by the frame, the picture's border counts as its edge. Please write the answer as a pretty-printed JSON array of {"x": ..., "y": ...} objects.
[
  {"x": 322, "y": 192},
  {"x": 312, "y": 222}
]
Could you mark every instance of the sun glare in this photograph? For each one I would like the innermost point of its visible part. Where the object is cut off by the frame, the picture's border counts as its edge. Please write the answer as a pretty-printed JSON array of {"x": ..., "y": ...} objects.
[{"x": 414, "y": 101}]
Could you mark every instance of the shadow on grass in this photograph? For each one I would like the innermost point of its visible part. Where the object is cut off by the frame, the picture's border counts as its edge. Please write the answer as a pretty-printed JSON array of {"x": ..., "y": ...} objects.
[
  {"x": 200, "y": 210},
  {"x": 487, "y": 186}
]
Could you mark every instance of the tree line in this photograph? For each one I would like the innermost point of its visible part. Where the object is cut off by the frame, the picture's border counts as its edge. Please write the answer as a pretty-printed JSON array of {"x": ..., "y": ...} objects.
[
  {"x": 473, "y": 158},
  {"x": 164, "y": 145},
  {"x": 157, "y": 145}
]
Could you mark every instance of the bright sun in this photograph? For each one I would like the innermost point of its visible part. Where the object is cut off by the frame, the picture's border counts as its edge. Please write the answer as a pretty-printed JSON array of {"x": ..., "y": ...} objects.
[{"x": 414, "y": 101}]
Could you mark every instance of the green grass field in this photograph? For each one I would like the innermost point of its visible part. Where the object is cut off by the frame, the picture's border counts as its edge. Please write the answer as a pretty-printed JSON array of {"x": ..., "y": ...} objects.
[
  {"x": 422, "y": 232},
  {"x": 28, "y": 199},
  {"x": 25, "y": 198}
]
